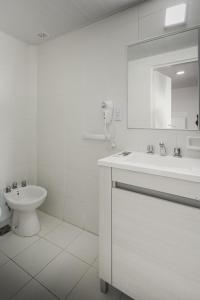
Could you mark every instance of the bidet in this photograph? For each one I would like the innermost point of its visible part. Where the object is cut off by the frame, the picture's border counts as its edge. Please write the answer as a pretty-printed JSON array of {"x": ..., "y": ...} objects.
[{"x": 24, "y": 201}]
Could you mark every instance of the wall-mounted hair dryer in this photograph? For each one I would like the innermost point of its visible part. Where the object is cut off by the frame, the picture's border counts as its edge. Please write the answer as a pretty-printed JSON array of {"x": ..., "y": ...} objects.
[
  {"x": 108, "y": 110},
  {"x": 107, "y": 107}
]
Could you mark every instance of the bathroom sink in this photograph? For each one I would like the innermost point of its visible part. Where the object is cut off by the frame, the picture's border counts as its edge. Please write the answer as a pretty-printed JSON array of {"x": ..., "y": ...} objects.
[
  {"x": 28, "y": 197},
  {"x": 182, "y": 168},
  {"x": 162, "y": 161}
]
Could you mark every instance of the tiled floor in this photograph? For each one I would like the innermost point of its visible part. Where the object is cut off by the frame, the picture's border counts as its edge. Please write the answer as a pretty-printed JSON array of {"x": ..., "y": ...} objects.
[{"x": 61, "y": 262}]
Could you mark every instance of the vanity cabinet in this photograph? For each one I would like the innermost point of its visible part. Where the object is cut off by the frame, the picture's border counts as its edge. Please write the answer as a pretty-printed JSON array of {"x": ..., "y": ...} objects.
[{"x": 149, "y": 245}]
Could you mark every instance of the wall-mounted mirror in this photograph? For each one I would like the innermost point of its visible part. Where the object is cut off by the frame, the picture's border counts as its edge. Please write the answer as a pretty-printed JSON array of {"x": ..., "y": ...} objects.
[{"x": 163, "y": 82}]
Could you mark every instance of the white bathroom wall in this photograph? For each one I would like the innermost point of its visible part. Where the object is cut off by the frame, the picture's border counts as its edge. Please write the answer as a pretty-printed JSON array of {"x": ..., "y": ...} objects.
[
  {"x": 18, "y": 100},
  {"x": 76, "y": 73}
]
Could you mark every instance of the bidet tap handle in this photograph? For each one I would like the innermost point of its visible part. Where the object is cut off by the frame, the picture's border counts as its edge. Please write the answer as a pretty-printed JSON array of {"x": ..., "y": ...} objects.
[
  {"x": 14, "y": 185},
  {"x": 8, "y": 189}
]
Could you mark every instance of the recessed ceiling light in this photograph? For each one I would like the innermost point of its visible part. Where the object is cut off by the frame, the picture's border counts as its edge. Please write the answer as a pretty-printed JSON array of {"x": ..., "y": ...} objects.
[
  {"x": 175, "y": 15},
  {"x": 43, "y": 35},
  {"x": 180, "y": 73}
]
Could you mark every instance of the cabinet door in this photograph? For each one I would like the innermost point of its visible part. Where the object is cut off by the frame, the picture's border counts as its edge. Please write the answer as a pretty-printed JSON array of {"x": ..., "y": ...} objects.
[{"x": 155, "y": 247}]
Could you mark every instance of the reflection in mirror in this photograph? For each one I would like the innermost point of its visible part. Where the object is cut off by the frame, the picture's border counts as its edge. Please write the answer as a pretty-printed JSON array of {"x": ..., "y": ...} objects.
[
  {"x": 181, "y": 95},
  {"x": 163, "y": 83}
]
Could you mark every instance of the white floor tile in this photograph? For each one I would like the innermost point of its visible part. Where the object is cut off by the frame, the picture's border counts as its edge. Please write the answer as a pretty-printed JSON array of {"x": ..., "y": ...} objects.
[
  {"x": 85, "y": 247},
  {"x": 34, "y": 291},
  {"x": 62, "y": 274},
  {"x": 96, "y": 263},
  {"x": 63, "y": 234},
  {"x": 14, "y": 244},
  {"x": 125, "y": 297},
  {"x": 89, "y": 289},
  {"x": 12, "y": 278},
  {"x": 3, "y": 259},
  {"x": 37, "y": 256},
  {"x": 5, "y": 236},
  {"x": 47, "y": 223}
]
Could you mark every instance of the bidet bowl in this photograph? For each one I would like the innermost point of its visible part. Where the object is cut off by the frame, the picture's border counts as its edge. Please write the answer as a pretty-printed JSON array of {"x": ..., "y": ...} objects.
[
  {"x": 24, "y": 201},
  {"x": 26, "y": 198}
]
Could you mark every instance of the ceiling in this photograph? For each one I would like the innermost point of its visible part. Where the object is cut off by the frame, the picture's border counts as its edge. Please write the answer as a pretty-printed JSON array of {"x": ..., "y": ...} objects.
[
  {"x": 188, "y": 79},
  {"x": 25, "y": 19}
]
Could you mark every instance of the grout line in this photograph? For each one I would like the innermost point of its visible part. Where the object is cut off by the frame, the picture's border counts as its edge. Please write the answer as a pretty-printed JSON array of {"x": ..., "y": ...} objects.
[
  {"x": 53, "y": 243},
  {"x": 17, "y": 264},
  {"x": 5, "y": 262},
  {"x": 62, "y": 250},
  {"x": 11, "y": 258},
  {"x": 50, "y": 229},
  {"x": 57, "y": 297},
  {"x": 48, "y": 263},
  {"x": 74, "y": 239},
  {"x": 67, "y": 222},
  {"x": 82, "y": 228},
  {"x": 33, "y": 277},
  {"x": 82, "y": 260},
  {"x": 70, "y": 292},
  {"x": 27, "y": 247},
  {"x": 21, "y": 288},
  {"x": 66, "y": 246}
]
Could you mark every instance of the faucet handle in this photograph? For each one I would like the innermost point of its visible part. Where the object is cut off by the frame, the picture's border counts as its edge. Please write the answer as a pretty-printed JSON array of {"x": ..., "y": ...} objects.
[
  {"x": 14, "y": 185},
  {"x": 150, "y": 149},
  {"x": 24, "y": 183},
  {"x": 8, "y": 189},
  {"x": 177, "y": 152}
]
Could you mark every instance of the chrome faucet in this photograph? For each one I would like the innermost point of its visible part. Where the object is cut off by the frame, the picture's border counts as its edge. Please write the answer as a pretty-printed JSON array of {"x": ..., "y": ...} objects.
[
  {"x": 150, "y": 149},
  {"x": 8, "y": 189},
  {"x": 163, "y": 150},
  {"x": 177, "y": 152},
  {"x": 14, "y": 185},
  {"x": 23, "y": 183}
]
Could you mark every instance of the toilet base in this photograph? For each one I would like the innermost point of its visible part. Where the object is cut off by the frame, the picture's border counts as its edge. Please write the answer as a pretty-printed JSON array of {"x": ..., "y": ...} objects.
[{"x": 25, "y": 223}]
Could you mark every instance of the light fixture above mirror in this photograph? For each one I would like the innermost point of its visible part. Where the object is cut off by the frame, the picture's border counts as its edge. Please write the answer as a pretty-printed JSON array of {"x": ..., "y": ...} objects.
[{"x": 175, "y": 15}]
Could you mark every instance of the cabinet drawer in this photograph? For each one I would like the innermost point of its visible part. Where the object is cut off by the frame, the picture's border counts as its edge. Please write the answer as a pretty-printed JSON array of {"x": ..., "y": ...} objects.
[
  {"x": 155, "y": 247},
  {"x": 182, "y": 188}
]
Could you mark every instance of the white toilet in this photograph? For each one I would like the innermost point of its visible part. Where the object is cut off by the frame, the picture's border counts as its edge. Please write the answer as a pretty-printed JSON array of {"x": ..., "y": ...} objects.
[{"x": 24, "y": 201}]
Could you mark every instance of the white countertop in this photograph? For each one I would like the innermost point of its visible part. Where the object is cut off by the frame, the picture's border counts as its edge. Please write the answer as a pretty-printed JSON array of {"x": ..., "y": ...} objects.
[{"x": 180, "y": 168}]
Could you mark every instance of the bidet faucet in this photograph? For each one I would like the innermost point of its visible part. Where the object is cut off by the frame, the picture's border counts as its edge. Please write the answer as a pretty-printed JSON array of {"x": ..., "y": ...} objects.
[
  {"x": 14, "y": 185},
  {"x": 163, "y": 150},
  {"x": 8, "y": 189}
]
